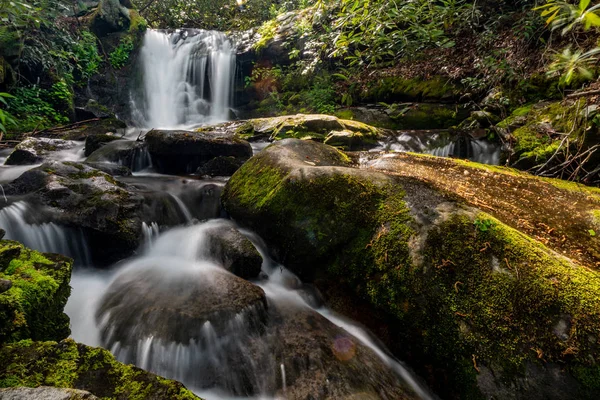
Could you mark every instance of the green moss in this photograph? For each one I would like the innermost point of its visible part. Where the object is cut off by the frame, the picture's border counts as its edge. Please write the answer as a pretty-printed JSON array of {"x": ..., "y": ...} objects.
[
  {"x": 267, "y": 32},
  {"x": 71, "y": 365},
  {"x": 33, "y": 306}
]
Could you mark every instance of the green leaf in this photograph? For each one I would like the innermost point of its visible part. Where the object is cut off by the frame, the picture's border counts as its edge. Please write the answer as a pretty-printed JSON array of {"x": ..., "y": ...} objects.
[
  {"x": 583, "y": 4},
  {"x": 592, "y": 232}
]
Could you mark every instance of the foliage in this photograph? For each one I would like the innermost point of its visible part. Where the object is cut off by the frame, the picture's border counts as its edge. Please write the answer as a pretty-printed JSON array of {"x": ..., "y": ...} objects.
[
  {"x": 5, "y": 117},
  {"x": 34, "y": 106},
  {"x": 120, "y": 56},
  {"x": 321, "y": 96},
  {"x": 85, "y": 55},
  {"x": 570, "y": 64},
  {"x": 561, "y": 14},
  {"x": 376, "y": 32}
]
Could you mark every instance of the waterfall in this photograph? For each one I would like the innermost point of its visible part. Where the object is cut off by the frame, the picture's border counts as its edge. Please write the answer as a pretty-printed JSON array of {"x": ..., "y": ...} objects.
[{"x": 188, "y": 79}]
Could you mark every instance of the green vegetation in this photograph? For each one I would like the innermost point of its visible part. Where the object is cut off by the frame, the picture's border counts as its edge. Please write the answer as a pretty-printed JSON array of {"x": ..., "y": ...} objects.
[
  {"x": 120, "y": 56},
  {"x": 33, "y": 307},
  {"x": 70, "y": 365}
]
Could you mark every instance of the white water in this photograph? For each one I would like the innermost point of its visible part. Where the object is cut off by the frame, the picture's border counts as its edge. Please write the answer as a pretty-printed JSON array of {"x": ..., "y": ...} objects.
[
  {"x": 442, "y": 144},
  {"x": 43, "y": 236},
  {"x": 188, "y": 79},
  {"x": 181, "y": 253}
]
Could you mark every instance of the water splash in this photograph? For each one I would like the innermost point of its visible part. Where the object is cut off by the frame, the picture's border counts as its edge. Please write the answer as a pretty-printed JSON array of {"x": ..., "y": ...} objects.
[{"x": 188, "y": 79}]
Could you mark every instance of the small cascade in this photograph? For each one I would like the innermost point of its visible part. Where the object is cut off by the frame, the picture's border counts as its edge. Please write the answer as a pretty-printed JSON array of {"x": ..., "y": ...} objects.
[
  {"x": 443, "y": 144},
  {"x": 175, "y": 312},
  {"x": 46, "y": 237},
  {"x": 188, "y": 79}
]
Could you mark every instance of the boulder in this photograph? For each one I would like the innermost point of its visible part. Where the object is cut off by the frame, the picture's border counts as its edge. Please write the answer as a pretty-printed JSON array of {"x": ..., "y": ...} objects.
[
  {"x": 73, "y": 194},
  {"x": 321, "y": 360},
  {"x": 110, "y": 168},
  {"x": 129, "y": 153},
  {"x": 93, "y": 372},
  {"x": 351, "y": 135},
  {"x": 220, "y": 166},
  {"x": 148, "y": 300},
  {"x": 35, "y": 288},
  {"x": 479, "y": 308},
  {"x": 180, "y": 152},
  {"x": 34, "y": 150},
  {"x": 110, "y": 17},
  {"x": 94, "y": 142},
  {"x": 234, "y": 251},
  {"x": 45, "y": 393}
]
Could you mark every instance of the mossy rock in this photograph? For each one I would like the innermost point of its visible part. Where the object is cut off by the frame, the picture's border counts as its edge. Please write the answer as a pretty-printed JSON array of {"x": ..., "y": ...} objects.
[
  {"x": 33, "y": 150},
  {"x": 74, "y": 194},
  {"x": 33, "y": 305},
  {"x": 67, "y": 364},
  {"x": 479, "y": 308},
  {"x": 356, "y": 135},
  {"x": 537, "y": 131},
  {"x": 94, "y": 142}
]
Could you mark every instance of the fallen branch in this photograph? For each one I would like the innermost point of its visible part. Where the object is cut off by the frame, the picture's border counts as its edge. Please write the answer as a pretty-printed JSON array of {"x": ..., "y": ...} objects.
[
  {"x": 62, "y": 128},
  {"x": 583, "y": 94}
]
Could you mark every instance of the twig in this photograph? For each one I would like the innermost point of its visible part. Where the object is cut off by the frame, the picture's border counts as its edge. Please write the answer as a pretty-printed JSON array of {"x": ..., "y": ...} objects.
[{"x": 583, "y": 94}]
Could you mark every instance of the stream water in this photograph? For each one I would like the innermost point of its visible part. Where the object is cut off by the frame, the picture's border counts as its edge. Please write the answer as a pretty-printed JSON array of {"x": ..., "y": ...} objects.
[{"x": 138, "y": 308}]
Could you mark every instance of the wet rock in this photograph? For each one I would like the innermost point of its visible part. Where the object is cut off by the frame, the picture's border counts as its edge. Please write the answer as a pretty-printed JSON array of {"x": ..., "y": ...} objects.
[
  {"x": 220, "y": 166},
  {"x": 45, "y": 393},
  {"x": 130, "y": 153},
  {"x": 33, "y": 150},
  {"x": 94, "y": 142},
  {"x": 234, "y": 251},
  {"x": 72, "y": 365},
  {"x": 111, "y": 17},
  {"x": 2, "y": 234},
  {"x": 111, "y": 168},
  {"x": 150, "y": 301},
  {"x": 109, "y": 212},
  {"x": 180, "y": 152},
  {"x": 349, "y": 134},
  {"x": 39, "y": 288},
  {"x": 5, "y": 285},
  {"x": 405, "y": 243},
  {"x": 321, "y": 360}
]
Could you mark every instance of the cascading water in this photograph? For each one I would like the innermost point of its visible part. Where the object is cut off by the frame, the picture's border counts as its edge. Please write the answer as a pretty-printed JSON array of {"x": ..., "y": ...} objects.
[
  {"x": 188, "y": 79},
  {"x": 152, "y": 312},
  {"x": 43, "y": 236}
]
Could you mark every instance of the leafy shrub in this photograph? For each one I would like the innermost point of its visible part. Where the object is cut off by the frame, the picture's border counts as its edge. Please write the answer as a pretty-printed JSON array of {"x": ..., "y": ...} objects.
[{"x": 120, "y": 56}]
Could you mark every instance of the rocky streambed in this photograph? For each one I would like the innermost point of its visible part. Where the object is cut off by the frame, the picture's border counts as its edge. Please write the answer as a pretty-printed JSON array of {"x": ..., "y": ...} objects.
[{"x": 482, "y": 280}]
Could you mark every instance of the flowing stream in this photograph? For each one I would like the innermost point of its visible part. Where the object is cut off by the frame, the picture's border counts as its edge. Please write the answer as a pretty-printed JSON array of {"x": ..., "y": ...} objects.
[{"x": 173, "y": 308}]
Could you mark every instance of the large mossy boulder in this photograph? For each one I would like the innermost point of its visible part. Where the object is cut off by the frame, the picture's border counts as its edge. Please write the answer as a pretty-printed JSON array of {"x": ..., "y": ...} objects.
[
  {"x": 67, "y": 364},
  {"x": 31, "y": 304},
  {"x": 479, "y": 308},
  {"x": 94, "y": 142},
  {"x": 77, "y": 195},
  {"x": 180, "y": 152},
  {"x": 351, "y": 135},
  {"x": 33, "y": 150},
  {"x": 110, "y": 16}
]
